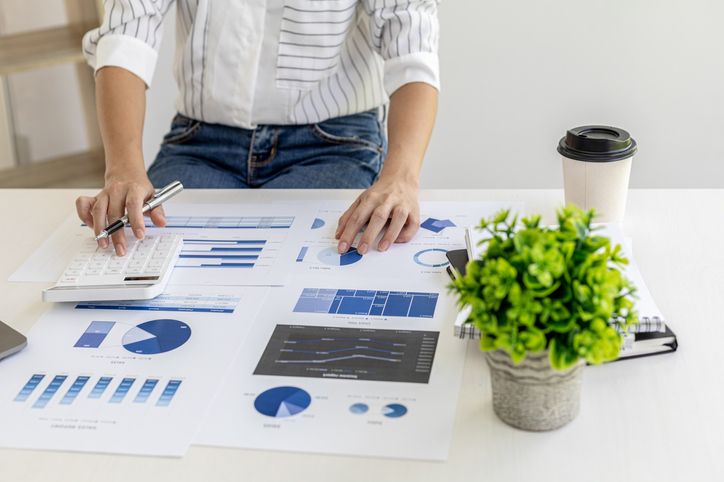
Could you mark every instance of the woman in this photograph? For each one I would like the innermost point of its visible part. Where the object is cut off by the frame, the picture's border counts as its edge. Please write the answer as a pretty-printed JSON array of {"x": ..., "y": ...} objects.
[{"x": 274, "y": 94}]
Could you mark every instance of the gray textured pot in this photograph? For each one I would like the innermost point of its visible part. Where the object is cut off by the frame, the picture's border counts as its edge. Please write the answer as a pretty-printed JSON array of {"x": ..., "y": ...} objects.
[{"x": 532, "y": 395}]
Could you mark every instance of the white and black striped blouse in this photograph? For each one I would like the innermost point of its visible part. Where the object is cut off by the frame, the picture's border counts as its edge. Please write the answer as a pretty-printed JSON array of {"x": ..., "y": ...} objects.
[{"x": 250, "y": 62}]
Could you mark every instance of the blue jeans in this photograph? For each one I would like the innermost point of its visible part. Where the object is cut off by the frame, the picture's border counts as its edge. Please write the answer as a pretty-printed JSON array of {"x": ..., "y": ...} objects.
[{"x": 345, "y": 152}]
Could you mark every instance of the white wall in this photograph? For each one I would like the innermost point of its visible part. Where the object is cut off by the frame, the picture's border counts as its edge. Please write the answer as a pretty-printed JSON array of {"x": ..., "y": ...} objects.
[
  {"x": 518, "y": 73},
  {"x": 161, "y": 97},
  {"x": 46, "y": 104}
]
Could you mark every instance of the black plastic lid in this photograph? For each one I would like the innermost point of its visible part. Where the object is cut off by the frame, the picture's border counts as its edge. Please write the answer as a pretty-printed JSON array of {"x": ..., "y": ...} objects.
[{"x": 597, "y": 144}]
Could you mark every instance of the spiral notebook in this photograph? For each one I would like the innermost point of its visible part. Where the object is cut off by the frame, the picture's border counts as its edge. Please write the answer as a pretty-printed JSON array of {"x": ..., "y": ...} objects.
[{"x": 650, "y": 337}]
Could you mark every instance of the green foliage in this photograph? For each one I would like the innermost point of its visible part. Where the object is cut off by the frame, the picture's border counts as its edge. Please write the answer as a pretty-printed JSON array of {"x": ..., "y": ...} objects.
[{"x": 556, "y": 288}]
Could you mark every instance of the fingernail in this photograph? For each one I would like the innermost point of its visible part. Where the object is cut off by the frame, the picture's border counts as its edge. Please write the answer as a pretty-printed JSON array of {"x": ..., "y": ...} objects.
[
  {"x": 104, "y": 243},
  {"x": 362, "y": 248},
  {"x": 384, "y": 245},
  {"x": 342, "y": 248},
  {"x": 139, "y": 233},
  {"x": 120, "y": 251}
]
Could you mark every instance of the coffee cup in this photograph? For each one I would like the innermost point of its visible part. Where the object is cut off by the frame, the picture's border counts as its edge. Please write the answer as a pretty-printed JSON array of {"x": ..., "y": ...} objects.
[{"x": 596, "y": 169}]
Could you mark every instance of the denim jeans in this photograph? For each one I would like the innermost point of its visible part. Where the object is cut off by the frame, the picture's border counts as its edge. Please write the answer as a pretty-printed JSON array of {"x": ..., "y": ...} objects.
[{"x": 344, "y": 152}]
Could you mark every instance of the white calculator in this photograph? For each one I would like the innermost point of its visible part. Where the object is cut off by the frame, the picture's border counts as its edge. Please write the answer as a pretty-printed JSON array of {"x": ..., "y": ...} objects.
[{"x": 96, "y": 274}]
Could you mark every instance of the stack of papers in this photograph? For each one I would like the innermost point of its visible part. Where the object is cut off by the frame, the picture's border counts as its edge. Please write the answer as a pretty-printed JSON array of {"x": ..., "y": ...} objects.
[{"x": 296, "y": 348}]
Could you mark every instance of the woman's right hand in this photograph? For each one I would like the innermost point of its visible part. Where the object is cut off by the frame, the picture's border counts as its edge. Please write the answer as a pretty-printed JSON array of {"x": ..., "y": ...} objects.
[{"x": 123, "y": 193}]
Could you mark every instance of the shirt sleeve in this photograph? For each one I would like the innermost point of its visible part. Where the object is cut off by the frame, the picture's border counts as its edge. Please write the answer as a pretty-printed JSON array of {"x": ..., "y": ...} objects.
[
  {"x": 129, "y": 37},
  {"x": 406, "y": 34}
]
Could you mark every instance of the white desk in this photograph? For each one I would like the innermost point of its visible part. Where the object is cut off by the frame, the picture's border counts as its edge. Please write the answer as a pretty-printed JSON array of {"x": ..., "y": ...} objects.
[{"x": 658, "y": 418}]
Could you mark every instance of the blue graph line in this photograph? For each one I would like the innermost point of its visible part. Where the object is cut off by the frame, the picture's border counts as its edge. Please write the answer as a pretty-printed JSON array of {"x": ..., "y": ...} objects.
[
  {"x": 339, "y": 350},
  {"x": 342, "y": 358},
  {"x": 322, "y": 340}
]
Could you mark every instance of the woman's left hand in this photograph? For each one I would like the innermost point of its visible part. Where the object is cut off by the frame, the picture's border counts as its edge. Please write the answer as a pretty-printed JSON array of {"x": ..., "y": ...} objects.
[{"x": 391, "y": 205}]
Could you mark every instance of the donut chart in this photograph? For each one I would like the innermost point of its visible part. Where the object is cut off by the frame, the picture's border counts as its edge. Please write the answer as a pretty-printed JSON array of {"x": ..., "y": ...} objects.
[{"x": 431, "y": 258}]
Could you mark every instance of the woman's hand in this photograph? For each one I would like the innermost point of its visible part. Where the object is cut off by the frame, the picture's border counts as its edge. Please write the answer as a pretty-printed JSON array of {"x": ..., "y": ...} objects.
[
  {"x": 124, "y": 193},
  {"x": 392, "y": 201},
  {"x": 390, "y": 205}
]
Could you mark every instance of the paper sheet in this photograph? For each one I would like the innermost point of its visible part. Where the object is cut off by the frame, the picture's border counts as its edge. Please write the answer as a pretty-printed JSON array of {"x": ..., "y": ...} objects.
[
  {"x": 248, "y": 244},
  {"x": 338, "y": 365},
  {"x": 442, "y": 229},
  {"x": 131, "y": 377}
]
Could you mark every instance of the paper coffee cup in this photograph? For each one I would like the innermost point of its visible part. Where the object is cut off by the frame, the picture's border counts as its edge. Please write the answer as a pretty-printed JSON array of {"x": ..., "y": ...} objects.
[{"x": 596, "y": 169}]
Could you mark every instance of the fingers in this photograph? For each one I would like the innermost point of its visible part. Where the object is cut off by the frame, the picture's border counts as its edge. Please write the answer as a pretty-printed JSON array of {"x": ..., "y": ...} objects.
[
  {"x": 410, "y": 229},
  {"x": 342, "y": 224},
  {"x": 116, "y": 206},
  {"x": 397, "y": 223},
  {"x": 83, "y": 206},
  {"x": 356, "y": 220},
  {"x": 378, "y": 220},
  {"x": 98, "y": 215},
  {"x": 158, "y": 216},
  {"x": 134, "y": 205}
]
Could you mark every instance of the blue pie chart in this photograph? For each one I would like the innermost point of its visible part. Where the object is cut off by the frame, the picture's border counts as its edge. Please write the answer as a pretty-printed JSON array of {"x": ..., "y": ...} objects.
[
  {"x": 156, "y": 336},
  {"x": 280, "y": 402},
  {"x": 394, "y": 410},
  {"x": 359, "y": 408},
  {"x": 318, "y": 223},
  {"x": 331, "y": 257}
]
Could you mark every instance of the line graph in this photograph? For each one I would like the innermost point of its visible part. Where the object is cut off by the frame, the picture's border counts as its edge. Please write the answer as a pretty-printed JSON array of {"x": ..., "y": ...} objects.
[{"x": 349, "y": 353}]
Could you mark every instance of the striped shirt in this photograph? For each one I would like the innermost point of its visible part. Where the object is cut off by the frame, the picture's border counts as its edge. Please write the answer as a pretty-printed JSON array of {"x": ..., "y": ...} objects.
[{"x": 249, "y": 62}]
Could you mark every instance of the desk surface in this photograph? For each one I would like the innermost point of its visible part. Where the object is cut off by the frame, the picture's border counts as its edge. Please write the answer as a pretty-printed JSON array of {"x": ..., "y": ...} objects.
[{"x": 658, "y": 418}]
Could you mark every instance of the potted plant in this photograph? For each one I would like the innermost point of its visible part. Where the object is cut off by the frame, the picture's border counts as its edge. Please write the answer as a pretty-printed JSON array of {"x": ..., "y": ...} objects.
[{"x": 546, "y": 300}]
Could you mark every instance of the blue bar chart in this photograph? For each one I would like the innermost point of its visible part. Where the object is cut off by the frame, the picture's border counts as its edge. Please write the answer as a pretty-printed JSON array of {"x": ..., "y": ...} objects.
[
  {"x": 409, "y": 304},
  {"x": 29, "y": 387},
  {"x": 146, "y": 390},
  {"x": 122, "y": 390},
  {"x": 190, "y": 303},
  {"x": 100, "y": 387},
  {"x": 50, "y": 391},
  {"x": 228, "y": 222},
  {"x": 220, "y": 253},
  {"x": 74, "y": 390},
  {"x": 94, "y": 335},
  {"x": 168, "y": 393}
]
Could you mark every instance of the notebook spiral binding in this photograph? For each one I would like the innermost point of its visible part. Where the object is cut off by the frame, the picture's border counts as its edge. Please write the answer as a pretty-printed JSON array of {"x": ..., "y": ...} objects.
[{"x": 645, "y": 325}]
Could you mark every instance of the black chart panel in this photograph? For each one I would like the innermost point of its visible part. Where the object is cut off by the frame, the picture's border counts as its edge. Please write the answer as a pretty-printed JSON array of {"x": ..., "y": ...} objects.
[{"x": 349, "y": 353}]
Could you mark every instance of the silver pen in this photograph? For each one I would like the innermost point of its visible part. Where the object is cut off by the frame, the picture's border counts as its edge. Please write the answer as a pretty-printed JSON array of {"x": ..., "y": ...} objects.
[{"x": 159, "y": 198}]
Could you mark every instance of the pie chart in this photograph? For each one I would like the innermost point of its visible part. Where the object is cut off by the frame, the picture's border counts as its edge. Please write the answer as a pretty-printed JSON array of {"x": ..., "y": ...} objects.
[
  {"x": 318, "y": 223},
  {"x": 331, "y": 257},
  {"x": 394, "y": 410},
  {"x": 359, "y": 408},
  {"x": 156, "y": 336},
  {"x": 431, "y": 258},
  {"x": 280, "y": 402}
]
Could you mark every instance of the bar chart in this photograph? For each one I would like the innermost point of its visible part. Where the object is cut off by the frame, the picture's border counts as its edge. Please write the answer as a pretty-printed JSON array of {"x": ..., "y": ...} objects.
[
  {"x": 220, "y": 253},
  {"x": 409, "y": 304},
  {"x": 227, "y": 222},
  {"x": 187, "y": 302},
  {"x": 104, "y": 390}
]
